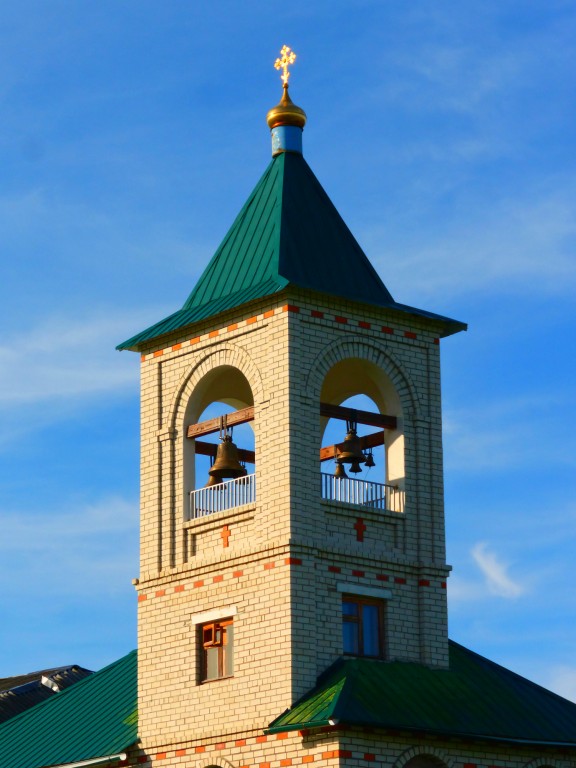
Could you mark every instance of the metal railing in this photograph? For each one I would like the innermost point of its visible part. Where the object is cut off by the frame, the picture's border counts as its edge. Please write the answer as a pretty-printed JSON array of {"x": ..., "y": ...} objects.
[
  {"x": 362, "y": 492},
  {"x": 216, "y": 498}
]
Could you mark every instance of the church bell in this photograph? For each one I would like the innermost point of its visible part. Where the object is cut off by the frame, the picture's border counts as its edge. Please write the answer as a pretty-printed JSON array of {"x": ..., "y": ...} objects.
[
  {"x": 227, "y": 463},
  {"x": 351, "y": 452}
]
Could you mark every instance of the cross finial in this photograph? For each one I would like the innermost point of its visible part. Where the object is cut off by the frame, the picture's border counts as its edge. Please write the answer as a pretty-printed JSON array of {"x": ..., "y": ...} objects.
[{"x": 287, "y": 57}]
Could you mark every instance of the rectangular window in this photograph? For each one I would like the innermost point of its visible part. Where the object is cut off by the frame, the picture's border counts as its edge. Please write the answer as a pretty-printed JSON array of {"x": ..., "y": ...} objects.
[
  {"x": 217, "y": 640},
  {"x": 363, "y": 626}
]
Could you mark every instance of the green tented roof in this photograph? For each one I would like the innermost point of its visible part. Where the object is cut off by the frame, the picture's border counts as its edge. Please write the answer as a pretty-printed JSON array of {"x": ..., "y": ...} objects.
[
  {"x": 474, "y": 698},
  {"x": 93, "y": 718},
  {"x": 287, "y": 233}
]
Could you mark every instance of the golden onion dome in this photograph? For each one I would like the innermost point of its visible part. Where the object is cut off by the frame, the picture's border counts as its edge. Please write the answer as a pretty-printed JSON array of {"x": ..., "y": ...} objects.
[{"x": 286, "y": 112}]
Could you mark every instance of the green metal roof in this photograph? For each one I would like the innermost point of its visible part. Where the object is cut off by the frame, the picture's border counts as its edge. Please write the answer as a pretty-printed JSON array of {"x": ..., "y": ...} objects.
[
  {"x": 473, "y": 698},
  {"x": 93, "y": 718},
  {"x": 287, "y": 233}
]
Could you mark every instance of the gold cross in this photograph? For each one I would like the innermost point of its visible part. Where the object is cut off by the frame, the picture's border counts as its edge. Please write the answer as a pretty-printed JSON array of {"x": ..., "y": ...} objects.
[{"x": 287, "y": 57}]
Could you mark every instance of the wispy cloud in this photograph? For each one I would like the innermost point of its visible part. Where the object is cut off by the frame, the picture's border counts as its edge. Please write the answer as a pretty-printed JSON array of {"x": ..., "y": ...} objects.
[
  {"x": 78, "y": 550},
  {"x": 522, "y": 245},
  {"x": 495, "y": 572},
  {"x": 63, "y": 358}
]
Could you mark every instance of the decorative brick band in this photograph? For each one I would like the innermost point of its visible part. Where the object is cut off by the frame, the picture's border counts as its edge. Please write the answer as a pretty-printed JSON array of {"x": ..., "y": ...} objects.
[
  {"x": 315, "y": 313},
  {"x": 218, "y": 578}
]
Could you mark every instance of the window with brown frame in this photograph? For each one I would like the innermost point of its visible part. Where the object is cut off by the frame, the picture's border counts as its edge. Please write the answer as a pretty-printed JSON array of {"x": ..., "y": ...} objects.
[
  {"x": 217, "y": 642},
  {"x": 363, "y": 626}
]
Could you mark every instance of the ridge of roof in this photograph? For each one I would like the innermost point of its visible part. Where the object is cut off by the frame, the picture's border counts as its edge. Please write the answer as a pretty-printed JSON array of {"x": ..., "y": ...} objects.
[
  {"x": 288, "y": 232},
  {"x": 93, "y": 718},
  {"x": 473, "y": 698}
]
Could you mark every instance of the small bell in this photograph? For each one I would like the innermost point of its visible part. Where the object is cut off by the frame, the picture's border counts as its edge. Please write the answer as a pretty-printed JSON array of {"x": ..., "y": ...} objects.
[
  {"x": 369, "y": 459},
  {"x": 340, "y": 472}
]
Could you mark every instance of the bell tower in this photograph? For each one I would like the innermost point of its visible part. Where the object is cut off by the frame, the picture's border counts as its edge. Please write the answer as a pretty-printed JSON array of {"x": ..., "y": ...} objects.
[{"x": 254, "y": 585}]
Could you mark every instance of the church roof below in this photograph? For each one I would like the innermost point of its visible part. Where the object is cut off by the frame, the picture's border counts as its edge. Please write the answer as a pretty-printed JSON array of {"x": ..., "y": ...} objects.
[
  {"x": 288, "y": 233},
  {"x": 94, "y": 718},
  {"x": 474, "y": 698},
  {"x": 24, "y": 691}
]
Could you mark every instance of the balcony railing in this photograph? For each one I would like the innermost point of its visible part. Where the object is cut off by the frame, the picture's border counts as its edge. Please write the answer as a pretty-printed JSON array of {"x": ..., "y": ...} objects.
[
  {"x": 352, "y": 491},
  {"x": 217, "y": 498},
  {"x": 237, "y": 493}
]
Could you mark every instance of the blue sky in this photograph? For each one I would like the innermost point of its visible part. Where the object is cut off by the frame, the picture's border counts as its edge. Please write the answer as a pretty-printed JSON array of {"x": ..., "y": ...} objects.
[{"x": 130, "y": 135}]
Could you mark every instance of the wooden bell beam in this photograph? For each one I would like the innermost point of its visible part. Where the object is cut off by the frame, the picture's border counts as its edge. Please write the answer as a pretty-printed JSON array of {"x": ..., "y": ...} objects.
[
  {"x": 372, "y": 440},
  {"x": 213, "y": 425},
  {"x": 329, "y": 411},
  {"x": 360, "y": 417}
]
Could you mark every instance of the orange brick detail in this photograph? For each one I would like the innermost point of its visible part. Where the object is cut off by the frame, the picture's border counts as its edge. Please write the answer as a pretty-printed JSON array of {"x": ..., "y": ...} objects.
[
  {"x": 213, "y": 334},
  {"x": 269, "y": 313},
  {"x": 334, "y": 569},
  {"x": 308, "y": 759},
  {"x": 161, "y": 756},
  {"x": 176, "y": 347},
  {"x": 317, "y": 313},
  {"x": 382, "y": 577},
  {"x": 287, "y": 761},
  {"x": 293, "y": 561},
  {"x": 142, "y": 759},
  {"x": 141, "y": 598},
  {"x": 328, "y": 755},
  {"x": 180, "y": 752},
  {"x": 268, "y": 566},
  {"x": 424, "y": 583},
  {"x": 360, "y": 574},
  {"x": 283, "y": 735},
  {"x": 160, "y": 593},
  {"x": 264, "y": 765},
  {"x": 340, "y": 319},
  {"x": 342, "y": 753},
  {"x": 399, "y": 580},
  {"x": 387, "y": 329},
  {"x": 142, "y": 358},
  {"x": 290, "y": 308},
  {"x": 369, "y": 756},
  {"x": 237, "y": 574},
  {"x": 443, "y": 585},
  {"x": 251, "y": 320},
  {"x": 220, "y": 745},
  {"x": 159, "y": 353},
  {"x": 364, "y": 324},
  {"x": 198, "y": 584},
  {"x": 240, "y": 743},
  {"x": 199, "y": 749},
  {"x": 217, "y": 579},
  {"x": 195, "y": 340},
  {"x": 260, "y": 739},
  {"x": 232, "y": 327},
  {"x": 179, "y": 588},
  {"x": 410, "y": 334},
  {"x": 436, "y": 341}
]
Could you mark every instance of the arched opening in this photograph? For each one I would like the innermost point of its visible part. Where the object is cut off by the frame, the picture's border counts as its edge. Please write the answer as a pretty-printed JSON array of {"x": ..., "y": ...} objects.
[
  {"x": 210, "y": 412},
  {"x": 369, "y": 404},
  {"x": 424, "y": 761}
]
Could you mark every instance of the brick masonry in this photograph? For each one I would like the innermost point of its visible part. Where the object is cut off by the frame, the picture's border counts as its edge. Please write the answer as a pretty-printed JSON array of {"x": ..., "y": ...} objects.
[{"x": 278, "y": 566}]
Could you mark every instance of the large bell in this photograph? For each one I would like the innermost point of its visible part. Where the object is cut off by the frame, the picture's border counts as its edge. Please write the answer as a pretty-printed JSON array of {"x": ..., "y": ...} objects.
[
  {"x": 226, "y": 463},
  {"x": 351, "y": 452}
]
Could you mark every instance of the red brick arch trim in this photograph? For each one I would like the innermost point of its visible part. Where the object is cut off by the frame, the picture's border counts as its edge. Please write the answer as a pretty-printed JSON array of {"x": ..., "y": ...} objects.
[
  {"x": 230, "y": 354},
  {"x": 432, "y": 753},
  {"x": 371, "y": 351}
]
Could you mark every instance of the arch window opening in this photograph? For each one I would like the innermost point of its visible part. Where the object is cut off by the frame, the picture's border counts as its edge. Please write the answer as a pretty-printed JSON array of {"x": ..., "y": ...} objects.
[
  {"x": 355, "y": 462},
  {"x": 224, "y": 475},
  {"x": 218, "y": 452}
]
